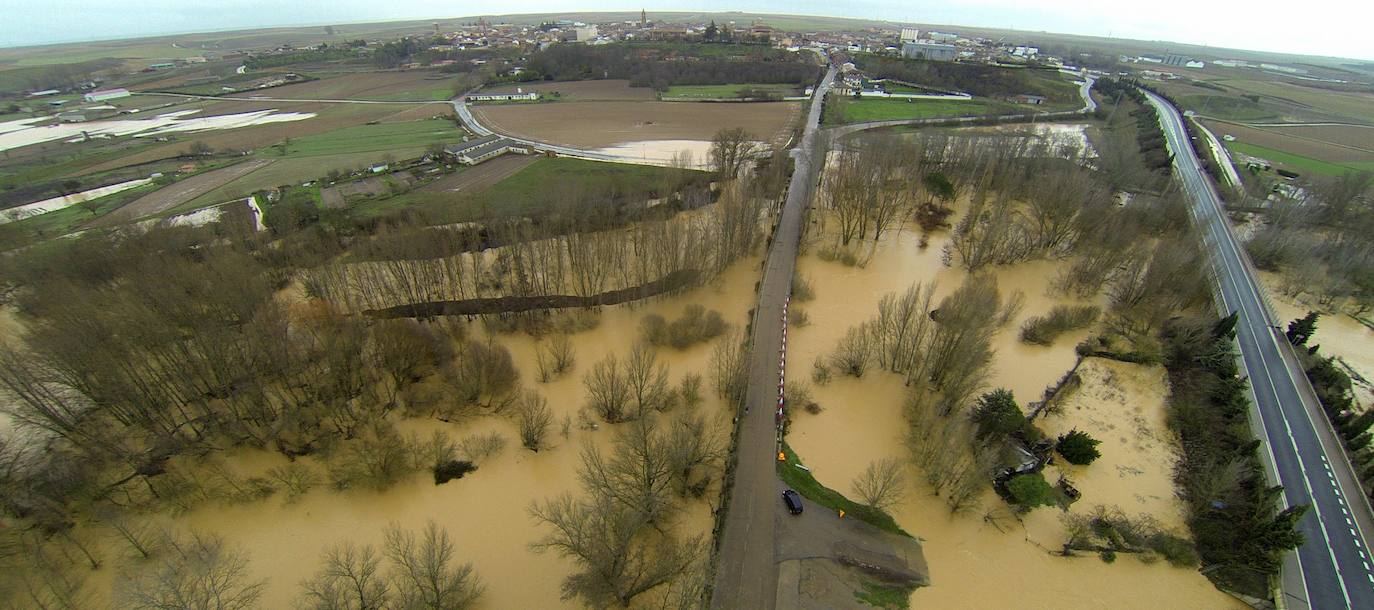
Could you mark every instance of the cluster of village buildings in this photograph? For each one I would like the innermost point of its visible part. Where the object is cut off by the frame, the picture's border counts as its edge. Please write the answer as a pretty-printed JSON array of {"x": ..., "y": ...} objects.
[{"x": 904, "y": 41}]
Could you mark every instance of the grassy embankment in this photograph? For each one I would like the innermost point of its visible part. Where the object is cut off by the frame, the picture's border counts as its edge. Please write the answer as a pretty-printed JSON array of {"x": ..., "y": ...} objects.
[{"x": 802, "y": 482}]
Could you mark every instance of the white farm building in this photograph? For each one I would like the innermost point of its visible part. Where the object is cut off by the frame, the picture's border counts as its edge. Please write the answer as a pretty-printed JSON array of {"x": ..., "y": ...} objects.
[
  {"x": 477, "y": 150},
  {"x": 504, "y": 97},
  {"x": 106, "y": 94}
]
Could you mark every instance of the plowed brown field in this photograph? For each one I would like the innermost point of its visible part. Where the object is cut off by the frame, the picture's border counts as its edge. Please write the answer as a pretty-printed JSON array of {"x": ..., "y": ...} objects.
[{"x": 601, "y": 124}]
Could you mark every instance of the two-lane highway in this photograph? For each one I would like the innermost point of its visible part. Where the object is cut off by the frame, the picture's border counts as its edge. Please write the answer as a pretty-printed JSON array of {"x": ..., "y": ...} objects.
[{"x": 1334, "y": 564}]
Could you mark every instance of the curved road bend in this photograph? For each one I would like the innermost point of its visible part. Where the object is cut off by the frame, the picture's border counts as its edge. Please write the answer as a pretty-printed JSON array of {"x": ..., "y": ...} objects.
[
  {"x": 746, "y": 574},
  {"x": 1332, "y": 569}
]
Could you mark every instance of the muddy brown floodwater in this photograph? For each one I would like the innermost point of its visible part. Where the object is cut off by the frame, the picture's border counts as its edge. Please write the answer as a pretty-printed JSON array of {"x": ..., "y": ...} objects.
[
  {"x": 486, "y": 511},
  {"x": 973, "y": 563}
]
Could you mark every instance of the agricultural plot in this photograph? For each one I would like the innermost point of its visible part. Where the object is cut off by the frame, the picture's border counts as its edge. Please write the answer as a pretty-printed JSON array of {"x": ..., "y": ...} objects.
[
  {"x": 413, "y": 85},
  {"x": 89, "y": 51},
  {"x": 728, "y": 91},
  {"x": 582, "y": 91},
  {"x": 178, "y": 193},
  {"x": 1299, "y": 147},
  {"x": 66, "y": 220},
  {"x": 1230, "y": 108},
  {"x": 1298, "y": 163},
  {"x": 1354, "y": 136},
  {"x": 603, "y": 124},
  {"x": 479, "y": 177},
  {"x": 329, "y": 118},
  {"x": 846, "y": 110},
  {"x": 373, "y": 138},
  {"x": 297, "y": 170},
  {"x": 1308, "y": 101},
  {"x": 526, "y": 192}
]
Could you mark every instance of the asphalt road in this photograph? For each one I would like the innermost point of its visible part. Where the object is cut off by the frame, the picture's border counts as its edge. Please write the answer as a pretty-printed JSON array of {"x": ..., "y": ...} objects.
[
  {"x": 460, "y": 106},
  {"x": 1332, "y": 568},
  {"x": 746, "y": 571}
]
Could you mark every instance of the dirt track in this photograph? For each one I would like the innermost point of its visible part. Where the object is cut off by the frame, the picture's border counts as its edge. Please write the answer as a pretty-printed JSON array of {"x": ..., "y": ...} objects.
[
  {"x": 602, "y": 124},
  {"x": 177, "y": 193},
  {"x": 479, "y": 177}
]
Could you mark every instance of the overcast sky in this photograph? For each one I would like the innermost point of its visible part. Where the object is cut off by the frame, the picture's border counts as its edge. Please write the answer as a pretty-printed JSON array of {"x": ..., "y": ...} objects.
[{"x": 1317, "y": 27}]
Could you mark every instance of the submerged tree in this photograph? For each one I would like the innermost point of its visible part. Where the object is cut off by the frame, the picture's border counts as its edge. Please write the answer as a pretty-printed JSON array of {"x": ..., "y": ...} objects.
[
  {"x": 425, "y": 572},
  {"x": 618, "y": 555},
  {"x": 880, "y": 484},
  {"x": 731, "y": 148},
  {"x": 198, "y": 571},
  {"x": 351, "y": 579}
]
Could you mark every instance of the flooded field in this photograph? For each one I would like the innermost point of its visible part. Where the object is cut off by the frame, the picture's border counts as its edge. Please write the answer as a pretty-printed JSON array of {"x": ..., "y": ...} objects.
[
  {"x": 1338, "y": 335},
  {"x": 486, "y": 511},
  {"x": 16, "y": 134},
  {"x": 985, "y": 558},
  {"x": 663, "y": 152},
  {"x": 602, "y": 124}
]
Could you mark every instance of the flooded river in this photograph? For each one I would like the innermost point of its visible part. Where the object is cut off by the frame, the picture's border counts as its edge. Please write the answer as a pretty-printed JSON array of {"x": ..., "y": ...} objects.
[
  {"x": 996, "y": 562},
  {"x": 1338, "y": 335},
  {"x": 485, "y": 512}
]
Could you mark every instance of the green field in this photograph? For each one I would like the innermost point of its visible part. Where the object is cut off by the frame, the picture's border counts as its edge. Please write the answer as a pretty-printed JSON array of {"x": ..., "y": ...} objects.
[
  {"x": 66, "y": 220},
  {"x": 429, "y": 90},
  {"x": 725, "y": 91},
  {"x": 847, "y": 110},
  {"x": 528, "y": 191},
  {"x": 1227, "y": 107},
  {"x": 1297, "y": 163},
  {"x": 296, "y": 170},
  {"x": 77, "y": 53},
  {"x": 1308, "y": 102},
  {"x": 369, "y": 138}
]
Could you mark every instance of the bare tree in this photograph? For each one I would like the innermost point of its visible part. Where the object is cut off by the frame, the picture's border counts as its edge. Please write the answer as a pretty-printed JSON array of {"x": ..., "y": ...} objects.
[
  {"x": 689, "y": 390},
  {"x": 648, "y": 380},
  {"x": 695, "y": 448},
  {"x": 199, "y": 571},
  {"x": 852, "y": 354},
  {"x": 36, "y": 577},
  {"x": 482, "y": 447},
  {"x": 139, "y": 535},
  {"x": 730, "y": 369},
  {"x": 731, "y": 148},
  {"x": 881, "y": 483},
  {"x": 554, "y": 357},
  {"x": 619, "y": 557},
  {"x": 638, "y": 474},
  {"x": 608, "y": 390},
  {"x": 296, "y": 478},
  {"x": 350, "y": 579},
  {"x": 425, "y": 572},
  {"x": 534, "y": 419}
]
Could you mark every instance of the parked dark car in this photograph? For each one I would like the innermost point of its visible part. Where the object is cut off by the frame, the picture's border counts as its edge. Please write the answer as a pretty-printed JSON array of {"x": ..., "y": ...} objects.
[{"x": 793, "y": 501}]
